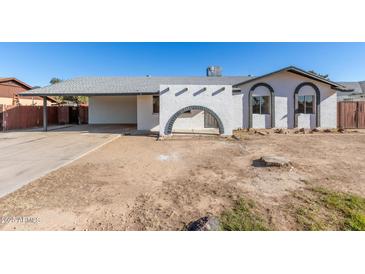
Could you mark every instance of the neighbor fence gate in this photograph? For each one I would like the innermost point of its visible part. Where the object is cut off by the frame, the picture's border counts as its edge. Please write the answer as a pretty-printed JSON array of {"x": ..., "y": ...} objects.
[
  {"x": 21, "y": 117},
  {"x": 351, "y": 114}
]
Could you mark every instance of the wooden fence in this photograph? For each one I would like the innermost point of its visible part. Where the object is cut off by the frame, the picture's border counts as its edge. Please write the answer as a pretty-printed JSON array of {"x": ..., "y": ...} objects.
[
  {"x": 20, "y": 117},
  {"x": 351, "y": 114}
]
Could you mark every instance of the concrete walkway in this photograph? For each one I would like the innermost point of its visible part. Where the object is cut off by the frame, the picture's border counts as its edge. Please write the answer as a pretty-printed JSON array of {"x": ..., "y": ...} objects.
[{"x": 28, "y": 155}]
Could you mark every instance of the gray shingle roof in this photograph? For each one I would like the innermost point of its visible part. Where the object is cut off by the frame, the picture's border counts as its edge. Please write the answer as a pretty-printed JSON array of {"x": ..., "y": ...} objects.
[
  {"x": 358, "y": 88},
  {"x": 362, "y": 84},
  {"x": 127, "y": 85},
  {"x": 151, "y": 85}
]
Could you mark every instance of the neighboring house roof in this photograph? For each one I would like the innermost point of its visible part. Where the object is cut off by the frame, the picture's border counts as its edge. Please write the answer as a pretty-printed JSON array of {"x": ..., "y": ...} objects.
[
  {"x": 9, "y": 87},
  {"x": 127, "y": 85},
  {"x": 2, "y": 80},
  {"x": 354, "y": 86},
  {"x": 362, "y": 84},
  {"x": 52, "y": 100},
  {"x": 358, "y": 90},
  {"x": 298, "y": 71},
  {"x": 13, "y": 84},
  {"x": 150, "y": 85}
]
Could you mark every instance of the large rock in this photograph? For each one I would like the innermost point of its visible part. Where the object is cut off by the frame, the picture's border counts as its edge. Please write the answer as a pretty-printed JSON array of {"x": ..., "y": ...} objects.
[
  {"x": 271, "y": 160},
  {"x": 207, "y": 223}
]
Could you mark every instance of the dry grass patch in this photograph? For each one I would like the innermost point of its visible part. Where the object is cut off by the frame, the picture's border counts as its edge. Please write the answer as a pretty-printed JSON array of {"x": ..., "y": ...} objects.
[
  {"x": 323, "y": 209},
  {"x": 242, "y": 217}
]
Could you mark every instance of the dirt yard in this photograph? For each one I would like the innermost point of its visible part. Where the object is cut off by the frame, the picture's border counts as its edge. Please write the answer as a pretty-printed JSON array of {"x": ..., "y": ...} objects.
[{"x": 139, "y": 183}]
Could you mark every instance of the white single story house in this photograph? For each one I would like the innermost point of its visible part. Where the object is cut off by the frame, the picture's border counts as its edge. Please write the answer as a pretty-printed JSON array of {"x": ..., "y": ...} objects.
[{"x": 287, "y": 98}]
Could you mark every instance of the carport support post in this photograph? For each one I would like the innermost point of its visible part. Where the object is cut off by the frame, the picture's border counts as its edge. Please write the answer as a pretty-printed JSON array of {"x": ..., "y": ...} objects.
[{"x": 45, "y": 116}]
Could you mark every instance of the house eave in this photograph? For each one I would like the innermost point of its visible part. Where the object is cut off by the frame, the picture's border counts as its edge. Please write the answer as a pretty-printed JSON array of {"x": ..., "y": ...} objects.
[
  {"x": 342, "y": 90},
  {"x": 297, "y": 71},
  {"x": 8, "y": 79},
  {"x": 90, "y": 94}
]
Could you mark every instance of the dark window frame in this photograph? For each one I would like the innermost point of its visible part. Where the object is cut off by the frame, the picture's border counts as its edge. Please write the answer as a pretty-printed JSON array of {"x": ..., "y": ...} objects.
[
  {"x": 156, "y": 104},
  {"x": 306, "y": 104},
  {"x": 260, "y": 103}
]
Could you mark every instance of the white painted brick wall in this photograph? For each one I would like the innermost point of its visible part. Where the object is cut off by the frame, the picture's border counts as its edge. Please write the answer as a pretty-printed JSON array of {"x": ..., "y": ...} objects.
[
  {"x": 261, "y": 121},
  {"x": 232, "y": 109},
  {"x": 193, "y": 120},
  {"x": 174, "y": 99},
  {"x": 112, "y": 110},
  {"x": 146, "y": 119},
  {"x": 284, "y": 85}
]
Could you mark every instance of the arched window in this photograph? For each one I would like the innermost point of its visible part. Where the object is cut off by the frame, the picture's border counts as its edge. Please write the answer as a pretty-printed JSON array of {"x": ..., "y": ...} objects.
[
  {"x": 307, "y": 104},
  {"x": 261, "y": 104}
]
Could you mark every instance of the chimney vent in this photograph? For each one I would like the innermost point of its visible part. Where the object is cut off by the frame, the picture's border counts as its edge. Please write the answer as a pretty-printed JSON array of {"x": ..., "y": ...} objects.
[{"x": 214, "y": 71}]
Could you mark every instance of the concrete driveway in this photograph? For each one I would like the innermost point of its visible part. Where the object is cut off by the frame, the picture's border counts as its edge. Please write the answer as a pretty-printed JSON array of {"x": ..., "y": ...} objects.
[{"x": 28, "y": 155}]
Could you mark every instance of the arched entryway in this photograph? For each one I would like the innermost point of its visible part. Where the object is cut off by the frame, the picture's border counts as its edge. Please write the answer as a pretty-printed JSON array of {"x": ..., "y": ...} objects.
[
  {"x": 171, "y": 121},
  {"x": 317, "y": 103},
  {"x": 271, "y": 103}
]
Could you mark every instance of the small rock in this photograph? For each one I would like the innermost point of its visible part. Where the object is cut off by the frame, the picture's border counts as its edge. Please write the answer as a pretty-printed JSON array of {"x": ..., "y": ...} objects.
[
  {"x": 274, "y": 161},
  {"x": 207, "y": 223},
  {"x": 301, "y": 130},
  {"x": 279, "y": 131},
  {"x": 315, "y": 130},
  {"x": 260, "y": 133},
  {"x": 327, "y": 130},
  {"x": 341, "y": 130}
]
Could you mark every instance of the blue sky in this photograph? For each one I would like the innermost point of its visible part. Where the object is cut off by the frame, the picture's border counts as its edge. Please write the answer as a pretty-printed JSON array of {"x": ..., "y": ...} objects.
[{"x": 37, "y": 63}]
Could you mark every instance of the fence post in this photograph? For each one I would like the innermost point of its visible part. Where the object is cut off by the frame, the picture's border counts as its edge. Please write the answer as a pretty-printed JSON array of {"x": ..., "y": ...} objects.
[
  {"x": 2, "y": 128},
  {"x": 5, "y": 116},
  {"x": 45, "y": 116}
]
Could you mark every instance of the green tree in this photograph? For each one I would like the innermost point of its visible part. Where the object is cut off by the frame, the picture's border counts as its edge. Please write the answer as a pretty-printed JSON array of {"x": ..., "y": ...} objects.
[
  {"x": 55, "y": 80},
  {"x": 78, "y": 100}
]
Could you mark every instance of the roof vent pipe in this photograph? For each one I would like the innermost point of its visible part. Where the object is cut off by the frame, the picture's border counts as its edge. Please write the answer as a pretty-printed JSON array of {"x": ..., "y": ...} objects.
[{"x": 214, "y": 71}]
